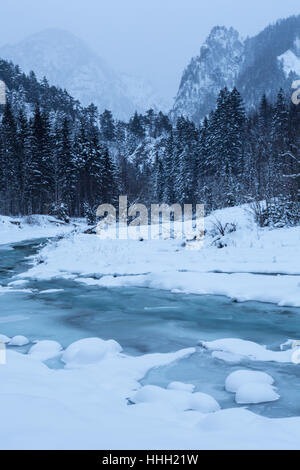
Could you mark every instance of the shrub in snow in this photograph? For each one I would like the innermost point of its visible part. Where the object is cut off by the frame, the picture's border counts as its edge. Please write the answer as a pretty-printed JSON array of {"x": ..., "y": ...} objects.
[
  {"x": 222, "y": 229},
  {"x": 220, "y": 232},
  {"x": 90, "y": 214},
  {"x": 242, "y": 377},
  {"x": 89, "y": 351},
  {"x": 181, "y": 386},
  {"x": 44, "y": 350},
  {"x": 254, "y": 393},
  {"x": 32, "y": 220},
  {"x": 276, "y": 212},
  {"x": 60, "y": 211},
  {"x": 19, "y": 341},
  {"x": 4, "y": 339}
]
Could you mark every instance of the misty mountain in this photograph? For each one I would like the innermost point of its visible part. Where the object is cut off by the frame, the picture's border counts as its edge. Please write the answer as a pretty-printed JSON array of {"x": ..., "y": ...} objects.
[
  {"x": 257, "y": 65},
  {"x": 216, "y": 67},
  {"x": 69, "y": 63}
]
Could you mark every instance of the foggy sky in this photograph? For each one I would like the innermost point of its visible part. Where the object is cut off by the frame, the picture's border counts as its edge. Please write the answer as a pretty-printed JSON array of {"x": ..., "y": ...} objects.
[{"x": 154, "y": 39}]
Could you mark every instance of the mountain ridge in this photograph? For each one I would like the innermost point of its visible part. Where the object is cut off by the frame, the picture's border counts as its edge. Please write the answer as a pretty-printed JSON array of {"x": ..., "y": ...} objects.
[
  {"x": 257, "y": 65},
  {"x": 66, "y": 61}
]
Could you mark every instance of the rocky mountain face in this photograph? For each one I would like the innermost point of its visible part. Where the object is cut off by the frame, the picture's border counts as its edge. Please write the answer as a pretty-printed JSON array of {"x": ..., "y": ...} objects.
[
  {"x": 262, "y": 64},
  {"x": 217, "y": 66},
  {"x": 69, "y": 63}
]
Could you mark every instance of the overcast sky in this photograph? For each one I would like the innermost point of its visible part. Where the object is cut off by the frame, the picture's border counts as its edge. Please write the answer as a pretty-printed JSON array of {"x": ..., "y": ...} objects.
[{"x": 154, "y": 39}]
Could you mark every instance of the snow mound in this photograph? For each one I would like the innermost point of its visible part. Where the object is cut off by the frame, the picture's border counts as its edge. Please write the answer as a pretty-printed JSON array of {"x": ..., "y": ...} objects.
[
  {"x": 44, "y": 350},
  {"x": 204, "y": 403},
  {"x": 19, "y": 341},
  {"x": 90, "y": 351},
  {"x": 181, "y": 386},
  {"x": 178, "y": 399},
  {"x": 4, "y": 339},
  {"x": 254, "y": 393},
  {"x": 242, "y": 377}
]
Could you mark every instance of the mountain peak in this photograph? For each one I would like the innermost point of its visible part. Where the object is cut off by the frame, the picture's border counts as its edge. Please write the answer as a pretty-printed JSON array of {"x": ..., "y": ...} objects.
[
  {"x": 47, "y": 39},
  {"x": 224, "y": 38},
  {"x": 217, "y": 66},
  {"x": 52, "y": 34},
  {"x": 221, "y": 33},
  {"x": 68, "y": 62},
  {"x": 262, "y": 64}
]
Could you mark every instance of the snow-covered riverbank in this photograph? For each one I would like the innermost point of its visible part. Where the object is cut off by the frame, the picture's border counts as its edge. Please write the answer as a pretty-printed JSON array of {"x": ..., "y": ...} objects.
[
  {"x": 17, "y": 229},
  {"x": 256, "y": 264}
]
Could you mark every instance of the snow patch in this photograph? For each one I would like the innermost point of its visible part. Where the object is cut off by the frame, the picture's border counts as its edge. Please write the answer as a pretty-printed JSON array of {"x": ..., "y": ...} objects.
[{"x": 290, "y": 63}]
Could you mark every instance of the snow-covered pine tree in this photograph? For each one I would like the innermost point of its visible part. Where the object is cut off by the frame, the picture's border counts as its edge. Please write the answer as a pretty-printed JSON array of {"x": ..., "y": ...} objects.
[
  {"x": 9, "y": 161},
  {"x": 107, "y": 126}
]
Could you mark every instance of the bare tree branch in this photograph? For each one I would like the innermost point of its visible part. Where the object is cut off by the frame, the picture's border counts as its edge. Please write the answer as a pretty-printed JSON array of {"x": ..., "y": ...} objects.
[
  {"x": 295, "y": 176},
  {"x": 289, "y": 154}
]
